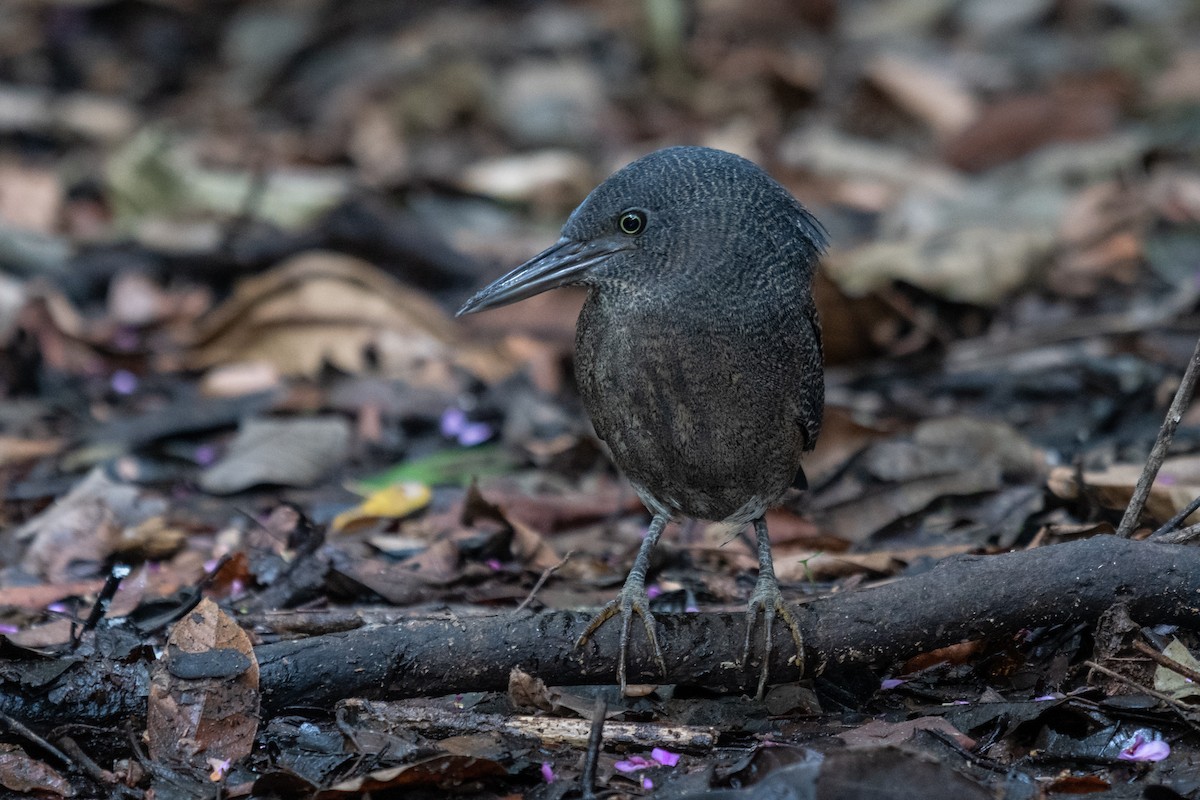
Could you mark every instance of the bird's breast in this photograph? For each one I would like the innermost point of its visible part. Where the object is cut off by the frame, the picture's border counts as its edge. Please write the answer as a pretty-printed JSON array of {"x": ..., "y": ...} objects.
[{"x": 703, "y": 414}]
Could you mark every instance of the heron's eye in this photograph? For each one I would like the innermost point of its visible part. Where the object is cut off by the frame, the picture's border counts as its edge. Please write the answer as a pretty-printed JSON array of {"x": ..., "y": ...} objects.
[{"x": 632, "y": 222}]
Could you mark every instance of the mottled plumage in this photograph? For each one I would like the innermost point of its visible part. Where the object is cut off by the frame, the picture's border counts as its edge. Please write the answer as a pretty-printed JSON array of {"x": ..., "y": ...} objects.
[{"x": 698, "y": 348}]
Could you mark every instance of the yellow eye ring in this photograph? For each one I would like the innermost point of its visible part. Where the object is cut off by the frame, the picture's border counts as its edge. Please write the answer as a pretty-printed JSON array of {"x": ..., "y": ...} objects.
[{"x": 632, "y": 222}]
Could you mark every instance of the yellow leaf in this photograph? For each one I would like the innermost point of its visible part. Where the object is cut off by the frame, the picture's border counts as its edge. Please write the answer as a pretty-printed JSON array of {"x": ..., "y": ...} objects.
[{"x": 395, "y": 501}]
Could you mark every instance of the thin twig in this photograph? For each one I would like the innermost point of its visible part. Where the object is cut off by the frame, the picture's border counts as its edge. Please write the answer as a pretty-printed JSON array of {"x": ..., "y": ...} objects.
[
  {"x": 541, "y": 581},
  {"x": 983, "y": 762},
  {"x": 1164, "y": 660},
  {"x": 1183, "y": 397},
  {"x": 1186, "y": 712},
  {"x": 94, "y": 771},
  {"x": 1170, "y": 524},
  {"x": 1181, "y": 536},
  {"x": 20, "y": 729},
  {"x": 591, "y": 756}
]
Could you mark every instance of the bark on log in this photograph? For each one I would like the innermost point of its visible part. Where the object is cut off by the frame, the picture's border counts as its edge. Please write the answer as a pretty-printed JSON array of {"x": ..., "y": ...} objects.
[{"x": 961, "y": 598}]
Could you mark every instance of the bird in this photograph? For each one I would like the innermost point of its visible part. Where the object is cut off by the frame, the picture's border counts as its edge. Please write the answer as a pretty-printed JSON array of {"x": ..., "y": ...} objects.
[{"x": 698, "y": 352}]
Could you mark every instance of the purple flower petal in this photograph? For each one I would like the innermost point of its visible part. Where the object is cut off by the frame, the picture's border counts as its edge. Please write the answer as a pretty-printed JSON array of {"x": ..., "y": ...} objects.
[
  {"x": 647, "y": 783},
  {"x": 653, "y": 591},
  {"x": 891, "y": 683},
  {"x": 664, "y": 757},
  {"x": 474, "y": 433},
  {"x": 205, "y": 455},
  {"x": 632, "y": 764},
  {"x": 453, "y": 421},
  {"x": 547, "y": 772},
  {"x": 1143, "y": 748},
  {"x": 123, "y": 382}
]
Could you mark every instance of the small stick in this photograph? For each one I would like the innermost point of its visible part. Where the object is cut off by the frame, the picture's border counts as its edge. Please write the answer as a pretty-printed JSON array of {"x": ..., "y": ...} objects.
[
  {"x": 591, "y": 756},
  {"x": 1186, "y": 712},
  {"x": 1170, "y": 524},
  {"x": 541, "y": 581},
  {"x": 1181, "y": 536},
  {"x": 1165, "y": 660},
  {"x": 1158, "y": 453},
  {"x": 94, "y": 771},
  {"x": 19, "y": 728}
]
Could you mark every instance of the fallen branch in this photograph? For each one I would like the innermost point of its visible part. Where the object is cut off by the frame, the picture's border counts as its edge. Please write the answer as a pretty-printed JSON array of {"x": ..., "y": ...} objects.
[{"x": 961, "y": 598}]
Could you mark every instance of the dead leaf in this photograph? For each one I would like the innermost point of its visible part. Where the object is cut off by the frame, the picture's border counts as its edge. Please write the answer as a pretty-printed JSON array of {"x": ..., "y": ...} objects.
[
  {"x": 530, "y": 548},
  {"x": 85, "y": 526},
  {"x": 288, "y": 452},
  {"x": 15, "y": 450},
  {"x": 30, "y": 197},
  {"x": 879, "y": 733},
  {"x": 1170, "y": 682},
  {"x": 976, "y": 264},
  {"x": 1177, "y": 484},
  {"x": 321, "y": 308},
  {"x": 442, "y": 771},
  {"x": 392, "y": 502},
  {"x": 30, "y": 777},
  {"x": 934, "y": 96},
  {"x": 1012, "y": 126},
  {"x": 204, "y": 691}
]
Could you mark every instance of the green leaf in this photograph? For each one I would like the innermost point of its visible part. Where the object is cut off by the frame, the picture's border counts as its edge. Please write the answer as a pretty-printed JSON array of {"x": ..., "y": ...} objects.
[{"x": 452, "y": 467}]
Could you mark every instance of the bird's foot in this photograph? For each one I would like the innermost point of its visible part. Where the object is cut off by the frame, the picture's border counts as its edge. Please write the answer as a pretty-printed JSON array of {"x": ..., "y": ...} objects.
[
  {"x": 768, "y": 600},
  {"x": 631, "y": 600}
]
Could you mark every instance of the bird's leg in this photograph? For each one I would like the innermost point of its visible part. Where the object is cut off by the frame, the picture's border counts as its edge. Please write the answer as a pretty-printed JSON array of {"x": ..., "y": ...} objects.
[
  {"x": 768, "y": 600},
  {"x": 633, "y": 600}
]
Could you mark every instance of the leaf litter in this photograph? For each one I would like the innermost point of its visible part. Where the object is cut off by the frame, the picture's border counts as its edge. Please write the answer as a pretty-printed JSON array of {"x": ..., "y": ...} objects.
[{"x": 231, "y": 375}]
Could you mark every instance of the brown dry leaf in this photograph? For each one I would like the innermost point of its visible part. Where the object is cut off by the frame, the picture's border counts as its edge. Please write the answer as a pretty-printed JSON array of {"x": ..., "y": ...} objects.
[
  {"x": 1177, "y": 484},
  {"x": 15, "y": 450},
  {"x": 879, "y": 732},
  {"x": 931, "y": 95},
  {"x": 1180, "y": 83},
  {"x": 442, "y": 771},
  {"x": 153, "y": 539},
  {"x": 1175, "y": 684},
  {"x": 1175, "y": 196},
  {"x": 135, "y": 299},
  {"x": 1101, "y": 239},
  {"x": 1083, "y": 109},
  {"x": 850, "y": 325},
  {"x": 548, "y": 178},
  {"x": 960, "y": 653},
  {"x": 1067, "y": 784},
  {"x": 30, "y": 777},
  {"x": 975, "y": 264},
  {"x": 321, "y": 308},
  {"x": 84, "y": 526},
  {"x": 856, "y": 519},
  {"x": 60, "y": 332},
  {"x": 42, "y": 595},
  {"x": 30, "y": 198},
  {"x": 204, "y": 691},
  {"x": 529, "y": 547},
  {"x": 799, "y": 567},
  {"x": 600, "y": 499},
  {"x": 286, "y": 452},
  {"x": 527, "y": 691}
]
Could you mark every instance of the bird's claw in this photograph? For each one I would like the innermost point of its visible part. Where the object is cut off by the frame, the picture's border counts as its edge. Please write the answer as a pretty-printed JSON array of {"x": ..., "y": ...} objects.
[
  {"x": 768, "y": 600},
  {"x": 632, "y": 600}
]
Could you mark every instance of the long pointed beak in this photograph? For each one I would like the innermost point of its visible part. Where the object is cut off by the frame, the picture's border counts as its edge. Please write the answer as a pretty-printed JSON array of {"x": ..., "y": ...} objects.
[{"x": 564, "y": 263}]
